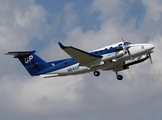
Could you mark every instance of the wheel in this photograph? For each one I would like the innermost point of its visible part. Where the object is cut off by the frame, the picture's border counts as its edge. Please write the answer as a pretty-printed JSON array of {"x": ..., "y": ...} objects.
[
  {"x": 96, "y": 73},
  {"x": 119, "y": 77}
]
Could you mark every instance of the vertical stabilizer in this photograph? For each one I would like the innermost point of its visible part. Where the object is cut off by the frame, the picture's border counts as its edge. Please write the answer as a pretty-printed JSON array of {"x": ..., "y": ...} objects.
[{"x": 30, "y": 61}]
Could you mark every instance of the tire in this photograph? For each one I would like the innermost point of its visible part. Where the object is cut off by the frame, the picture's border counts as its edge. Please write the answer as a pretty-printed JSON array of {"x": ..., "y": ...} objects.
[
  {"x": 96, "y": 73},
  {"x": 119, "y": 77}
]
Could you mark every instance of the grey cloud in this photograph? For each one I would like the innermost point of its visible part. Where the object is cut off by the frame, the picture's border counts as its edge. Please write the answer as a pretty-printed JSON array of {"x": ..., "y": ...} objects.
[
  {"x": 109, "y": 9},
  {"x": 71, "y": 17},
  {"x": 19, "y": 25},
  {"x": 153, "y": 9}
]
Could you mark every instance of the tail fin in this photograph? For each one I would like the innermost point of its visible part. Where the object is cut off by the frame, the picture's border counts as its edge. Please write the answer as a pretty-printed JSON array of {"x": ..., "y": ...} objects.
[{"x": 30, "y": 61}]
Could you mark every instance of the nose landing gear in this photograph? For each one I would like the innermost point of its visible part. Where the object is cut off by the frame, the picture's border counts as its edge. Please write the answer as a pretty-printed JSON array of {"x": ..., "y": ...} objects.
[{"x": 119, "y": 77}]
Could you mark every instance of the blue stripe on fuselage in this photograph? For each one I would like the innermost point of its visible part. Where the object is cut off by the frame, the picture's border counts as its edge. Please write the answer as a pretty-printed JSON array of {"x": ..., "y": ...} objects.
[
  {"x": 57, "y": 62},
  {"x": 106, "y": 51},
  {"x": 61, "y": 63},
  {"x": 59, "y": 66}
]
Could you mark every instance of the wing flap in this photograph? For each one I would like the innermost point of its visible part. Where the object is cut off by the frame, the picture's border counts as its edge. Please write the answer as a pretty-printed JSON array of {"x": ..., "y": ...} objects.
[{"x": 80, "y": 56}]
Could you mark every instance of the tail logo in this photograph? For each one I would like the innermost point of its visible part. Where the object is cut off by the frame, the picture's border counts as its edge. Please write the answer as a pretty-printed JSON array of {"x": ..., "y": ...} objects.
[{"x": 28, "y": 59}]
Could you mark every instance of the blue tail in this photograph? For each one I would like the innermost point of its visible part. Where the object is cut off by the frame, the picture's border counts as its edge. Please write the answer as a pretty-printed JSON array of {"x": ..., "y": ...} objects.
[{"x": 30, "y": 61}]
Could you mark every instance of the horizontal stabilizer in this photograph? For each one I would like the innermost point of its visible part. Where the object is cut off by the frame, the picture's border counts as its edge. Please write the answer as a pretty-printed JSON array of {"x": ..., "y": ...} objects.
[
  {"x": 21, "y": 53},
  {"x": 48, "y": 75},
  {"x": 80, "y": 56}
]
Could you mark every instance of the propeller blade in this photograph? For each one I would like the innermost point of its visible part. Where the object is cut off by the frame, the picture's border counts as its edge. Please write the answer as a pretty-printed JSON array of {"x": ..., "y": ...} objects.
[
  {"x": 129, "y": 54},
  {"x": 126, "y": 47},
  {"x": 123, "y": 41},
  {"x": 150, "y": 59}
]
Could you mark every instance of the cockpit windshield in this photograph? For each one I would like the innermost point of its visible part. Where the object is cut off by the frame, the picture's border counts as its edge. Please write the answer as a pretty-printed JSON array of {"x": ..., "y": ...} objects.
[{"x": 127, "y": 43}]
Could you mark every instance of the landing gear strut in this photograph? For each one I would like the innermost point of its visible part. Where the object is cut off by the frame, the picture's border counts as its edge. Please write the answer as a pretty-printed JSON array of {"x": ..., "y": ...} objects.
[
  {"x": 119, "y": 77},
  {"x": 96, "y": 73}
]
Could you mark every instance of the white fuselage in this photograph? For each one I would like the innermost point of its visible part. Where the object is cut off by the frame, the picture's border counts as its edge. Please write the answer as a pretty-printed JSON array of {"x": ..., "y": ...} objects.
[{"x": 106, "y": 62}]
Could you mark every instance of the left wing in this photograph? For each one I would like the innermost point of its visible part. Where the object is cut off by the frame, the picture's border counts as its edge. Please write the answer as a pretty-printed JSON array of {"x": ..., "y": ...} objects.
[{"x": 80, "y": 56}]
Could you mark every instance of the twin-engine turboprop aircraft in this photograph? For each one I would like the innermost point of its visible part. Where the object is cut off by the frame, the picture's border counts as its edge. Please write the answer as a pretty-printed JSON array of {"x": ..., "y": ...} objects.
[{"x": 116, "y": 57}]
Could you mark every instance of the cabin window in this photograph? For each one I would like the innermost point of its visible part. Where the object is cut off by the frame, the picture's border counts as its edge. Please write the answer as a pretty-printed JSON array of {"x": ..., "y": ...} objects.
[
  {"x": 127, "y": 43},
  {"x": 96, "y": 53},
  {"x": 100, "y": 51},
  {"x": 142, "y": 47},
  {"x": 118, "y": 49},
  {"x": 120, "y": 45},
  {"x": 74, "y": 60},
  {"x": 110, "y": 47},
  {"x": 106, "y": 49},
  {"x": 65, "y": 63}
]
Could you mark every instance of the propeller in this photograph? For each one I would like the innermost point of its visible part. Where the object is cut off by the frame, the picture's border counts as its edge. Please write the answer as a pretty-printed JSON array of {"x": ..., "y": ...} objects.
[
  {"x": 123, "y": 41},
  {"x": 149, "y": 54},
  {"x": 129, "y": 54},
  {"x": 126, "y": 48},
  {"x": 150, "y": 59}
]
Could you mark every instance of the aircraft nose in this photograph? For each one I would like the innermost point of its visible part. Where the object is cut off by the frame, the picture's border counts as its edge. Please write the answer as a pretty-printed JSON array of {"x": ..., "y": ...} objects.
[{"x": 151, "y": 46}]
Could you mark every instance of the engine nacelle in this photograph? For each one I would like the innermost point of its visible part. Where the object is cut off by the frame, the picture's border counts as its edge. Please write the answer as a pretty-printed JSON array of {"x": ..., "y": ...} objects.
[
  {"x": 113, "y": 55},
  {"x": 136, "y": 60}
]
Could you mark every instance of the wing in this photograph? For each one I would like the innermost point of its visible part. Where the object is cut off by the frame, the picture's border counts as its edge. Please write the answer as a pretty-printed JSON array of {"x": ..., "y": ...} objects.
[
  {"x": 117, "y": 67},
  {"x": 80, "y": 56}
]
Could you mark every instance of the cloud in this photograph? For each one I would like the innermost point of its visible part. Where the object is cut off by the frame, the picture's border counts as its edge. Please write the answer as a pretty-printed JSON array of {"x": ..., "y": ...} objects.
[
  {"x": 35, "y": 95},
  {"x": 153, "y": 9},
  {"x": 108, "y": 9},
  {"x": 70, "y": 16},
  {"x": 19, "y": 25}
]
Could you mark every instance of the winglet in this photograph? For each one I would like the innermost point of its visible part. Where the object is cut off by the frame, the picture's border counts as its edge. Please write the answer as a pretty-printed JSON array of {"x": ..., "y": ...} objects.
[{"x": 61, "y": 45}]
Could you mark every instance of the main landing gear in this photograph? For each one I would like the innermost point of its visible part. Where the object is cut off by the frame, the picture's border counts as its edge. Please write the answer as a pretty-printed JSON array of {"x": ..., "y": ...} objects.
[
  {"x": 96, "y": 73},
  {"x": 119, "y": 77}
]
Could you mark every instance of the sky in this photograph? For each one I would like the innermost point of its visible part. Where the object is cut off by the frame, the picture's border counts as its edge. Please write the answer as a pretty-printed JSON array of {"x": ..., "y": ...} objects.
[{"x": 92, "y": 24}]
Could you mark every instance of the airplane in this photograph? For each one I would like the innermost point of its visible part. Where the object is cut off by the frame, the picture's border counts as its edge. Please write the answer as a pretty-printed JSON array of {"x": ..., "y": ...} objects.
[{"x": 116, "y": 57}]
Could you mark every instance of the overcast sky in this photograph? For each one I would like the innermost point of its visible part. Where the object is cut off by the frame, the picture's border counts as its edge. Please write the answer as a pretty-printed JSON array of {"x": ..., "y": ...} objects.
[{"x": 40, "y": 24}]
